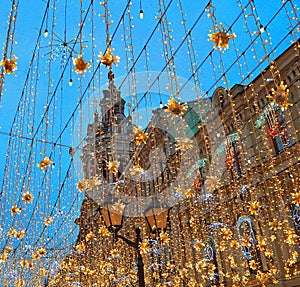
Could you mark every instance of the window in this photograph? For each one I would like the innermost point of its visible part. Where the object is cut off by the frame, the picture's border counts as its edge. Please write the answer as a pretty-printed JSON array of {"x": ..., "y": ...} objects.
[
  {"x": 233, "y": 157},
  {"x": 210, "y": 255},
  {"x": 277, "y": 130},
  {"x": 247, "y": 236},
  {"x": 295, "y": 211}
]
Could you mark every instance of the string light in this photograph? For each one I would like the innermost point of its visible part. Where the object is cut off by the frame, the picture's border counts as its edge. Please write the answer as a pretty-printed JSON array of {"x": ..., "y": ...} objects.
[
  {"x": 261, "y": 28},
  {"x": 200, "y": 234},
  {"x": 141, "y": 11},
  {"x": 46, "y": 33}
]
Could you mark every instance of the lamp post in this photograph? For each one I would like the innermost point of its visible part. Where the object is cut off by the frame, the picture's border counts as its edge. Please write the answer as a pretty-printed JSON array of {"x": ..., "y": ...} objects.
[{"x": 157, "y": 220}]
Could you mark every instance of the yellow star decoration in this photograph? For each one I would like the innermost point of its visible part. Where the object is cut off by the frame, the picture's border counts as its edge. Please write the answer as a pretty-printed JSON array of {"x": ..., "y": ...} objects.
[
  {"x": 103, "y": 231},
  {"x": 118, "y": 207},
  {"x": 139, "y": 136},
  {"x": 20, "y": 283},
  {"x": 80, "y": 65},
  {"x": 144, "y": 247},
  {"x": 176, "y": 107},
  {"x": 280, "y": 95},
  {"x": 296, "y": 198},
  {"x": 48, "y": 221},
  {"x": 44, "y": 163},
  {"x": 35, "y": 256},
  {"x": 20, "y": 234},
  {"x": 108, "y": 59},
  {"x": 188, "y": 193},
  {"x": 26, "y": 263},
  {"x": 234, "y": 244},
  {"x": 254, "y": 207},
  {"x": 184, "y": 144},
  {"x": 82, "y": 185},
  {"x": 261, "y": 243},
  {"x": 15, "y": 210},
  {"x": 164, "y": 237},
  {"x": 27, "y": 197},
  {"x": 225, "y": 233},
  {"x": 198, "y": 245},
  {"x": 4, "y": 255},
  {"x": 42, "y": 252},
  {"x": 136, "y": 170},
  {"x": 220, "y": 37},
  {"x": 9, "y": 65},
  {"x": 201, "y": 265},
  {"x": 113, "y": 167},
  {"x": 90, "y": 236},
  {"x": 12, "y": 232},
  {"x": 275, "y": 225},
  {"x": 80, "y": 247}
]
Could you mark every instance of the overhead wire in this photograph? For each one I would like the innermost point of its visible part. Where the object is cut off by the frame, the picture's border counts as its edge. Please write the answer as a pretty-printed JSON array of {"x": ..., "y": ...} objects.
[
  {"x": 88, "y": 86},
  {"x": 78, "y": 105},
  {"x": 206, "y": 57}
]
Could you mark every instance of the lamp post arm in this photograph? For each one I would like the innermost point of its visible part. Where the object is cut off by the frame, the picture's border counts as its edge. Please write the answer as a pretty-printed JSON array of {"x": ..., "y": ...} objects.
[{"x": 127, "y": 241}]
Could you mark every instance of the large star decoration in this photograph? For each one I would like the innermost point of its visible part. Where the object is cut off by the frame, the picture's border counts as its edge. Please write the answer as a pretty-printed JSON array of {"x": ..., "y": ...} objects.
[
  {"x": 9, "y": 65},
  {"x": 176, "y": 107},
  {"x": 280, "y": 95},
  {"x": 139, "y": 136},
  {"x": 108, "y": 58},
  {"x": 220, "y": 37},
  {"x": 80, "y": 65}
]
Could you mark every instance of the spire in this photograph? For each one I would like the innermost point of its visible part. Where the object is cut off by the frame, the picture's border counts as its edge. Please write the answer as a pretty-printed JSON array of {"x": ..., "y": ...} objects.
[{"x": 112, "y": 100}]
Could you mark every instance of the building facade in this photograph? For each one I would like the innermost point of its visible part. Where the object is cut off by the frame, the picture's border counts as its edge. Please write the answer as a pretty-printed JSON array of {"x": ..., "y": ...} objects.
[{"x": 228, "y": 169}]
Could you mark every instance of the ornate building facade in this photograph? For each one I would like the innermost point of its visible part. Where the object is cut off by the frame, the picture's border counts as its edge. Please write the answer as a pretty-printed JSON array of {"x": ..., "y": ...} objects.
[{"x": 228, "y": 169}]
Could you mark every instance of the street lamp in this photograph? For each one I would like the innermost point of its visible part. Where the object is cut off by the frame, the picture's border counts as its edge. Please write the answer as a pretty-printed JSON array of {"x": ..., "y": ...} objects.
[
  {"x": 157, "y": 218},
  {"x": 114, "y": 221}
]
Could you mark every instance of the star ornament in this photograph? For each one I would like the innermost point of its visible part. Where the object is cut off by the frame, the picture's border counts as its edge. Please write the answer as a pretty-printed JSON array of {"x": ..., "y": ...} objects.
[
  {"x": 9, "y": 65},
  {"x": 15, "y": 210},
  {"x": 184, "y": 144},
  {"x": 254, "y": 207},
  {"x": 220, "y": 37},
  {"x": 144, "y": 247},
  {"x": 113, "y": 167},
  {"x": 280, "y": 96},
  {"x": 44, "y": 163},
  {"x": 108, "y": 58},
  {"x": 82, "y": 185},
  {"x": 118, "y": 207},
  {"x": 139, "y": 136},
  {"x": 164, "y": 238},
  {"x": 80, "y": 65},
  {"x": 296, "y": 198},
  {"x": 27, "y": 197},
  {"x": 176, "y": 107}
]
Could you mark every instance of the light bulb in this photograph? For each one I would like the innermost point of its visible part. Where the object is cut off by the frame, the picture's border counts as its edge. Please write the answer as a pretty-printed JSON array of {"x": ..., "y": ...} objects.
[
  {"x": 70, "y": 82},
  {"x": 46, "y": 33},
  {"x": 261, "y": 28},
  {"x": 141, "y": 14}
]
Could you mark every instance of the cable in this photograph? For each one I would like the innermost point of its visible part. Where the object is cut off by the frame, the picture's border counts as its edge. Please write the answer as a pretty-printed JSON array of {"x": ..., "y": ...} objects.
[
  {"x": 77, "y": 106},
  {"x": 32, "y": 139}
]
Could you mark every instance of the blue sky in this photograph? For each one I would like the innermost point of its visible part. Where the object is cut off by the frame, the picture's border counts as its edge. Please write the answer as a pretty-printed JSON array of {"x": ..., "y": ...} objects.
[{"x": 53, "y": 193}]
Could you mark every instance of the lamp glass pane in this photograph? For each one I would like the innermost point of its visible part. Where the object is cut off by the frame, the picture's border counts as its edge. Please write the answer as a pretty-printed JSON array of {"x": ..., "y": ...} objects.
[
  {"x": 106, "y": 218},
  {"x": 157, "y": 218}
]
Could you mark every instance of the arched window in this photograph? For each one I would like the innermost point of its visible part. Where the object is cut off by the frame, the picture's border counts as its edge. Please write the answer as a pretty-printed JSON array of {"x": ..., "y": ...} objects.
[
  {"x": 247, "y": 237},
  {"x": 233, "y": 157},
  {"x": 295, "y": 211},
  {"x": 210, "y": 255},
  {"x": 276, "y": 129}
]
